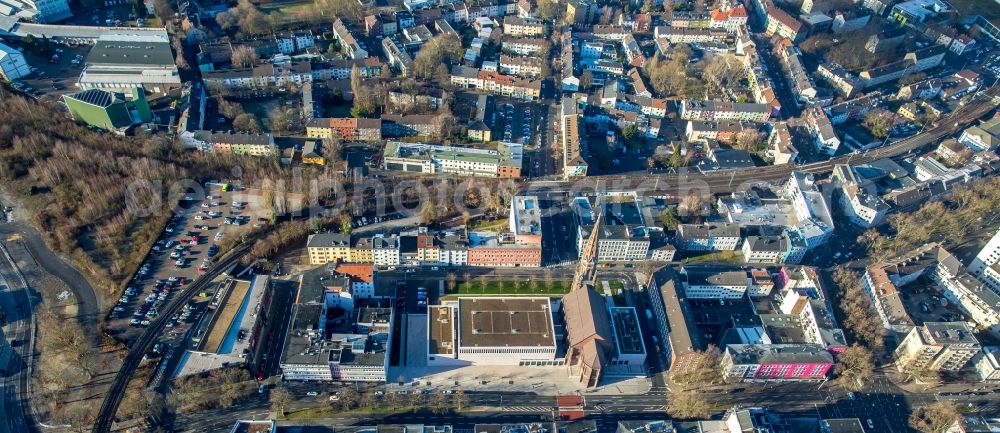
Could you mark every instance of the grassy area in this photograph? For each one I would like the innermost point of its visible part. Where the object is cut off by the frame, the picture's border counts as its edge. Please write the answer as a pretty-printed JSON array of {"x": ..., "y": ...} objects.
[
  {"x": 730, "y": 257},
  {"x": 286, "y": 8},
  {"x": 508, "y": 287},
  {"x": 487, "y": 225}
]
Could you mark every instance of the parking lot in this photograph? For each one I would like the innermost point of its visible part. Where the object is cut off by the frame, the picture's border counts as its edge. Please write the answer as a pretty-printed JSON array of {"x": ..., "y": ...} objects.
[
  {"x": 925, "y": 303},
  {"x": 51, "y": 76},
  {"x": 517, "y": 122},
  {"x": 183, "y": 252}
]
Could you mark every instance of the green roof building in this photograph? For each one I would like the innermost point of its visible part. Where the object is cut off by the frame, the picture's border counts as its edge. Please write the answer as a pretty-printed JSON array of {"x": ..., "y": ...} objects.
[{"x": 109, "y": 110}]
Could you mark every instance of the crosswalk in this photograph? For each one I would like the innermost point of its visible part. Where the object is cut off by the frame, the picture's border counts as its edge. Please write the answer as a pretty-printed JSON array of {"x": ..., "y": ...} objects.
[{"x": 535, "y": 409}]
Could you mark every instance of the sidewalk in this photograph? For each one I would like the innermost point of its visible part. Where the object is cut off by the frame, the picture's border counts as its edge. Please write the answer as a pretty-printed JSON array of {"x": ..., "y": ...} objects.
[{"x": 501, "y": 378}]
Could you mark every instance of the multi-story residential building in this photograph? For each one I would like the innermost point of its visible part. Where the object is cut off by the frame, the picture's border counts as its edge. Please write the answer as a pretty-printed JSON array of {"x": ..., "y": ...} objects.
[
  {"x": 385, "y": 250},
  {"x": 428, "y": 250},
  {"x": 347, "y": 128},
  {"x": 780, "y": 148},
  {"x": 708, "y": 237},
  {"x": 811, "y": 206},
  {"x": 798, "y": 79},
  {"x": 913, "y": 62},
  {"x": 781, "y": 23},
  {"x": 845, "y": 83},
  {"x": 732, "y": 20},
  {"x": 987, "y": 363},
  {"x": 698, "y": 130},
  {"x": 496, "y": 83},
  {"x": 292, "y": 42},
  {"x": 244, "y": 144},
  {"x": 505, "y": 162},
  {"x": 623, "y": 235},
  {"x": 454, "y": 249},
  {"x": 397, "y": 56},
  {"x": 859, "y": 201},
  {"x": 937, "y": 346},
  {"x": 679, "y": 35},
  {"x": 776, "y": 362},
  {"x": 119, "y": 62},
  {"x": 521, "y": 66},
  {"x": 329, "y": 247},
  {"x": 633, "y": 53},
  {"x": 986, "y": 265},
  {"x": 573, "y": 139},
  {"x": 424, "y": 125},
  {"x": 523, "y": 27},
  {"x": 764, "y": 249},
  {"x": 593, "y": 50},
  {"x": 604, "y": 66},
  {"x": 853, "y": 109},
  {"x": 524, "y": 46},
  {"x": 985, "y": 136},
  {"x": 362, "y": 251},
  {"x": 12, "y": 64},
  {"x": 720, "y": 110},
  {"x": 569, "y": 81},
  {"x": 362, "y": 277},
  {"x": 821, "y": 130},
  {"x": 979, "y": 302},
  {"x": 639, "y": 86},
  {"x": 347, "y": 41},
  {"x": 609, "y": 32},
  {"x": 714, "y": 284},
  {"x": 803, "y": 298}
]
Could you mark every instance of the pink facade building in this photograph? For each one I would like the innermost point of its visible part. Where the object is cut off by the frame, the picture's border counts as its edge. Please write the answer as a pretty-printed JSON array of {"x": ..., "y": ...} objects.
[{"x": 766, "y": 362}]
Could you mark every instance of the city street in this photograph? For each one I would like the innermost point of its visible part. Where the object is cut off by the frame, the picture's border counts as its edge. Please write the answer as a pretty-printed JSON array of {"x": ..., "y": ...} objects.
[{"x": 16, "y": 347}]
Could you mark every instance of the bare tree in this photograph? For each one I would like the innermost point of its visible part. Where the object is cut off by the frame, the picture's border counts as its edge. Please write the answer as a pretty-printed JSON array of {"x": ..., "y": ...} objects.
[
  {"x": 854, "y": 367},
  {"x": 280, "y": 398},
  {"x": 688, "y": 405},
  {"x": 934, "y": 418},
  {"x": 244, "y": 56}
]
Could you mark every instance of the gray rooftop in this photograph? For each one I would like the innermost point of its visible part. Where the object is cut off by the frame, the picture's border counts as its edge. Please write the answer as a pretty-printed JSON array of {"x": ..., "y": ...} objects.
[{"x": 142, "y": 51}]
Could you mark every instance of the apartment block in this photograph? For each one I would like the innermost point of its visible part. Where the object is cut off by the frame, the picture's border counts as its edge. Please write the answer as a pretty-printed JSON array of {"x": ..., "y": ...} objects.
[{"x": 937, "y": 346}]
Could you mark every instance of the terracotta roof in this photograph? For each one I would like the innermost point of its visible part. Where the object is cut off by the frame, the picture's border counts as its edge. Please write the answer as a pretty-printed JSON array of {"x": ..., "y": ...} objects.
[
  {"x": 357, "y": 271},
  {"x": 588, "y": 326}
]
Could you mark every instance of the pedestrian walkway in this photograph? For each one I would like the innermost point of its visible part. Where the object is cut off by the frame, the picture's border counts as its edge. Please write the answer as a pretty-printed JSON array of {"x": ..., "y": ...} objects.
[{"x": 532, "y": 409}]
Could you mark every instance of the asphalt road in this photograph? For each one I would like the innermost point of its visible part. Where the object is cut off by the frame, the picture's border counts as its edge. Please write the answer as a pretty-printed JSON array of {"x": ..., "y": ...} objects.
[
  {"x": 87, "y": 301},
  {"x": 886, "y": 406},
  {"x": 16, "y": 348}
]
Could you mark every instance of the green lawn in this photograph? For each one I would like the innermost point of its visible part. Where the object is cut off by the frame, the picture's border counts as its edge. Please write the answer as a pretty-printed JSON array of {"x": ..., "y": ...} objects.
[
  {"x": 511, "y": 287},
  {"x": 487, "y": 225},
  {"x": 288, "y": 7},
  {"x": 730, "y": 257}
]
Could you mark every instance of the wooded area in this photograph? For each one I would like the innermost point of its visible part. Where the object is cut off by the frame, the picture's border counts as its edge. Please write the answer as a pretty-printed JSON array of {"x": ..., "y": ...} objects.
[{"x": 101, "y": 199}]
